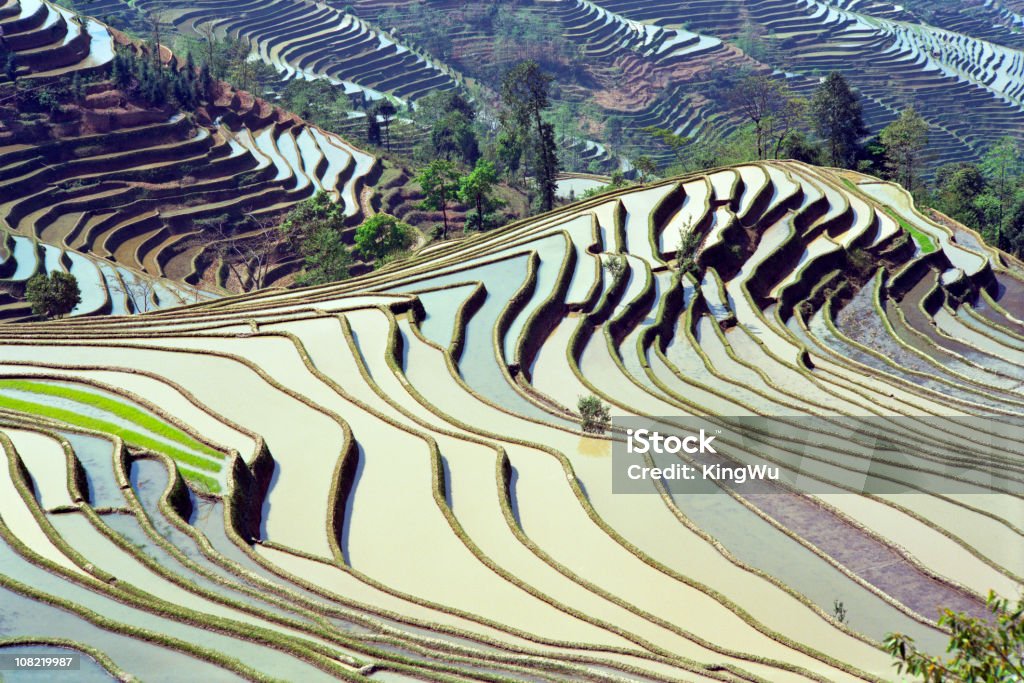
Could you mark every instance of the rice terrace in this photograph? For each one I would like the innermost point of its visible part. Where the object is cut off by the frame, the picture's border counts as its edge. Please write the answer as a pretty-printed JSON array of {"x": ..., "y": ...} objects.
[{"x": 518, "y": 340}]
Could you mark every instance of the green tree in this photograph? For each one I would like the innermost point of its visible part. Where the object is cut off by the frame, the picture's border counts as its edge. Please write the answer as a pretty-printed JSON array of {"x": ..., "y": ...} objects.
[
  {"x": 905, "y": 140},
  {"x": 1001, "y": 166},
  {"x": 646, "y": 167},
  {"x": 524, "y": 93},
  {"x": 616, "y": 266},
  {"x": 838, "y": 119},
  {"x": 454, "y": 136},
  {"x": 595, "y": 416},
  {"x": 317, "y": 101},
  {"x": 380, "y": 235},
  {"x": 982, "y": 650},
  {"x": 435, "y": 106},
  {"x": 386, "y": 110},
  {"x": 1011, "y": 234},
  {"x": 53, "y": 296},
  {"x": 686, "y": 251},
  {"x": 325, "y": 256},
  {"x": 306, "y": 216},
  {"x": 373, "y": 135},
  {"x": 958, "y": 185},
  {"x": 476, "y": 189},
  {"x": 677, "y": 143},
  {"x": 773, "y": 109},
  {"x": 989, "y": 209},
  {"x": 440, "y": 183},
  {"x": 800, "y": 148}
]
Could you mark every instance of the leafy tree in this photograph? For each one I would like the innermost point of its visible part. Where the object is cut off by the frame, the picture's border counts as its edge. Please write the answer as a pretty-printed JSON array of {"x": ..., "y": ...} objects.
[
  {"x": 524, "y": 93},
  {"x": 454, "y": 136},
  {"x": 958, "y": 185},
  {"x": 982, "y": 650},
  {"x": 386, "y": 110},
  {"x": 800, "y": 148},
  {"x": 677, "y": 143},
  {"x": 1011, "y": 235},
  {"x": 440, "y": 183},
  {"x": 317, "y": 101},
  {"x": 373, "y": 135},
  {"x": 451, "y": 120},
  {"x": 439, "y": 104},
  {"x": 838, "y": 119},
  {"x": 613, "y": 127},
  {"x": 646, "y": 167},
  {"x": 380, "y": 235},
  {"x": 1001, "y": 166},
  {"x": 508, "y": 149},
  {"x": 49, "y": 99},
  {"x": 53, "y": 296},
  {"x": 989, "y": 208},
  {"x": 326, "y": 258},
  {"x": 306, "y": 216},
  {"x": 751, "y": 40},
  {"x": 905, "y": 140},
  {"x": 595, "y": 416},
  {"x": 476, "y": 189},
  {"x": 773, "y": 109},
  {"x": 686, "y": 251}
]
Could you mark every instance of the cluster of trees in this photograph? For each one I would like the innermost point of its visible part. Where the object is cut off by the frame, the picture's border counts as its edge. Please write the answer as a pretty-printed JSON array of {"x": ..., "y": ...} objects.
[
  {"x": 444, "y": 184},
  {"x": 156, "y": 83},
  {"x": 464, "y": 160},
  {"x": 527, "y": 140},
  {"x": 452, "y": 130},
  {"x": 317, "y": 101},
  {"x": 987, "y": 196},
  {"x": 313, "y": 230},
  {"x": 828, "y": 128},
  {"x": 227, "y": 59}
]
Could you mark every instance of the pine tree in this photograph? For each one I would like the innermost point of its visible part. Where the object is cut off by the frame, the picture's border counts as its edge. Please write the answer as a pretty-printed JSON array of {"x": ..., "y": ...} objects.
[
  {"x": 524, "y": 92},
  {"x": 905, "y": 140},
  {"x": 838, "y": 119},
  {"x": 372, "y": 128}
]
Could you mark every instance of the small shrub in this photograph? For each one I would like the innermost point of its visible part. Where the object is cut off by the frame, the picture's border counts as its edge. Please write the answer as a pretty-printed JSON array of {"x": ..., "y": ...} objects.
[
  {"x": 686, "y": 253},
  {"x": 595, "y": 416},
  {"x": 839, "y": 610},
  {"x": 616, "y": 266}
]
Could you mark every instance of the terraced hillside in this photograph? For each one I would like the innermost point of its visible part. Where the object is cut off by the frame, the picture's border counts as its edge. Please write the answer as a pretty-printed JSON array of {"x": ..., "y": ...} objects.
[
  {"x": 403, "y": 490},
  {"x": 647, "y": 63},
  {"x": 105, "y": 287},
  {"x": 657, "y": 63},
  {"x": 159, "y": 191},
  {"x": 303, "y": 40}
]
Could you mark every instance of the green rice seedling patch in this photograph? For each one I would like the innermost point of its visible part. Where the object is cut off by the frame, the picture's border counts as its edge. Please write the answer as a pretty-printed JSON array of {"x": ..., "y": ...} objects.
[
  {"x": 923, "y": 240},
  {"x": 122, "y": 410},
  {"x": 130, "y": 436}
]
